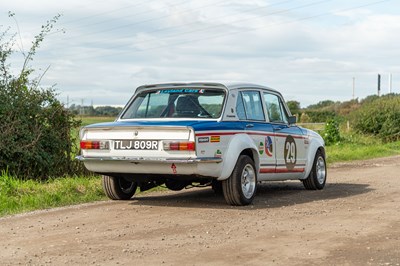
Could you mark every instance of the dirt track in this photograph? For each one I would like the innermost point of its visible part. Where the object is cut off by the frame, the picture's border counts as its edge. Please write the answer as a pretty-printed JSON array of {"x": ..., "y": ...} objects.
[{"x": 355, "y": 220}]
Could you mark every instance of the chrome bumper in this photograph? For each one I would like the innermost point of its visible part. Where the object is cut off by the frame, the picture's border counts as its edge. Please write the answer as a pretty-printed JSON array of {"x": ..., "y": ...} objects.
[{"x": 152, "y": 160}]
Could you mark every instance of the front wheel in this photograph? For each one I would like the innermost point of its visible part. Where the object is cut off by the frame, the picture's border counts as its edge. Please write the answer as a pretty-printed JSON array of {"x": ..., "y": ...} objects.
[
  {"x": 118, "y": 188},
  {"x": 240, "y": 188},
  {"x": 317, "y": 177}
]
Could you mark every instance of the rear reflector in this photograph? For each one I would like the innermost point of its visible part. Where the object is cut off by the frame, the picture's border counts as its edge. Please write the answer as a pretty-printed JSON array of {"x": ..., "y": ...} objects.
[
  {"x": 179, "y": 145},
  {"x": 95, "y": 145}
]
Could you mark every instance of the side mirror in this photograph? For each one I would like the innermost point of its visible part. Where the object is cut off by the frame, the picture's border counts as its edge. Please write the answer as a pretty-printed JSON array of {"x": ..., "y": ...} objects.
[{"x": 292, "y": 120}]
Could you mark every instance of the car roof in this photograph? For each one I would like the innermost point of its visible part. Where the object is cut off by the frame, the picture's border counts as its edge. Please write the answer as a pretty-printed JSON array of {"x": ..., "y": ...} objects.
[{"x": 230, "y": 85}]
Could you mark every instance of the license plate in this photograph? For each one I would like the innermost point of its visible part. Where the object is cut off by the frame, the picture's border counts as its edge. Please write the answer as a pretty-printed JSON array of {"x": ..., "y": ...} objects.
[{"x": 136, "y": 144}]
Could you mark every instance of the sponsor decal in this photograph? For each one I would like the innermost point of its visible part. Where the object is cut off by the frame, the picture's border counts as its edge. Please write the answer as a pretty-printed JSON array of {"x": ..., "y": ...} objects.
[
  {"x": 203, "y": 139},
  {"x": 269, "y": 151},
  {"x": 261, "y": 148},
  {"x": 290, "y": 152},
  {"x": 173, "y": 167},
  {"x": 187, "y": 90},
  {"x": 218, "y": 154},
  {"x": 215, "y": 138}
]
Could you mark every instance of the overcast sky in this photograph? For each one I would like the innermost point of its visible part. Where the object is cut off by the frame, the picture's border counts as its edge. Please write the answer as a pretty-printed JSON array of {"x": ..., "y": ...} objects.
[{"x": 100, "y": 51}]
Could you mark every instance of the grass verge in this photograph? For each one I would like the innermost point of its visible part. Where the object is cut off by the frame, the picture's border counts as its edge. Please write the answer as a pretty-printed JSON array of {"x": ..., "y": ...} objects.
[
  {"x": 18, "y": 196},
  {"x": 360, "y": 147}
]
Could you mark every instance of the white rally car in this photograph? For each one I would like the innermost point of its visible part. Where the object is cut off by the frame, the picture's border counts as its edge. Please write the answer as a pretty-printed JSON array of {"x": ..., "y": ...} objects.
[{"x": 228, "y": 135}]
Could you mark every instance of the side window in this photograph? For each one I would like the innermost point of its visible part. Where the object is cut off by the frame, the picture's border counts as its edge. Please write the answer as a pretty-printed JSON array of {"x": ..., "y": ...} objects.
[
  {"x": 276, "y": 111},
  {"x": 252, "y": 105},
  {"x": 240, "y": 107}
]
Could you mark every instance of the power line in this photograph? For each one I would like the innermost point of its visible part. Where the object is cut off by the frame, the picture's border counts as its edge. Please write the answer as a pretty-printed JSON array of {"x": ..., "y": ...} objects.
[
  {"x": 209, "y": 27},
  {"x": 106, "y": 12},
  {"x": 219, "y": 26},
  {"x": 161, "y": 17},
  {"x": 246, "y": 30},
  {"x": 220, "y": 17},
  {"x": 126, "y": 25}
]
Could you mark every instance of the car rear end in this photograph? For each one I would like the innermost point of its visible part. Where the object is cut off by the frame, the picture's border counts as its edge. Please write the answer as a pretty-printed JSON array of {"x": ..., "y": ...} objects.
[{"x": 154, "y": 134}]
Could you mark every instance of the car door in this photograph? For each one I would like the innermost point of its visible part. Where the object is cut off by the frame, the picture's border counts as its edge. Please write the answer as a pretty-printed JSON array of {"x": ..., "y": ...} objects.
[
  {"x": 290, "y": 141},
  {"x": 250, "y": 110}
]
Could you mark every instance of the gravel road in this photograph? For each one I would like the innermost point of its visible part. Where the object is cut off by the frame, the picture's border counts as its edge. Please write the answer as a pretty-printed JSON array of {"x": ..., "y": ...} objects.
[{"x": 355, "y": 220}]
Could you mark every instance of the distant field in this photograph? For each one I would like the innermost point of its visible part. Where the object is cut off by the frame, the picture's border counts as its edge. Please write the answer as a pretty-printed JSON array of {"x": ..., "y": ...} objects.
[{"x": 87, "y": 120}]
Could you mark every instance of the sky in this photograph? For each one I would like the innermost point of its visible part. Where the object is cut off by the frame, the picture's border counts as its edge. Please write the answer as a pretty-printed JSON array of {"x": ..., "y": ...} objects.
[{"x": 99, "y": 52}]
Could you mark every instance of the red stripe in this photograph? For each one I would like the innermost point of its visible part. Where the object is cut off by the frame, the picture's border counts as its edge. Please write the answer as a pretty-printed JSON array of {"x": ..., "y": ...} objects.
[
  {"x": 280, "y": 171},
  {"x": 249, "y": 133},
  {"x": 217, "y": 133},
  {"x": 299, "y": 170},
  {"x": 267, "y": 170}
]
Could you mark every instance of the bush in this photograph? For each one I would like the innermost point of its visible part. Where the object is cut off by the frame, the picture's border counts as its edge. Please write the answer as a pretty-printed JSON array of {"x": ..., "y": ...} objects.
[
  {"x": 379, "y": 117},
  {"x": 332, "y": 133},
  {"x": 35, "y": 135},
  {"x": 319, "y": 116}
]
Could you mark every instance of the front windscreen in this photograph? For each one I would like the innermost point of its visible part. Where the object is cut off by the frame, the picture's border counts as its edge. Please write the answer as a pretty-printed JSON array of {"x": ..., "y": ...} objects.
[{"x": 179, "y": 103}]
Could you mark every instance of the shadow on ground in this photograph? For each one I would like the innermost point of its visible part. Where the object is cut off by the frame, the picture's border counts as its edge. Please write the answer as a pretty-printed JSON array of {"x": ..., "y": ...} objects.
[{"x": 269, "y": 195}]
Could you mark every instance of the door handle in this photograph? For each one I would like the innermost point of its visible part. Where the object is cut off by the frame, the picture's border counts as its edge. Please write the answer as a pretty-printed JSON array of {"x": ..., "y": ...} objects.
[{"x": 249, "y": 125}]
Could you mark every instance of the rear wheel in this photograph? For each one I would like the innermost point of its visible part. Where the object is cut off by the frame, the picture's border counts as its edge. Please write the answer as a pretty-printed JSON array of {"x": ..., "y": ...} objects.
[
  {"x": 240, "y": 188},
  {"x": 317, "y": 177},
  {"x": 118, "y": 188}
]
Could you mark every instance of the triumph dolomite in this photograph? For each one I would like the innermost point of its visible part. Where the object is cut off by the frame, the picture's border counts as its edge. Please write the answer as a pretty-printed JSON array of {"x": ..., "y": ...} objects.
[{"x": 229, "y": 136}]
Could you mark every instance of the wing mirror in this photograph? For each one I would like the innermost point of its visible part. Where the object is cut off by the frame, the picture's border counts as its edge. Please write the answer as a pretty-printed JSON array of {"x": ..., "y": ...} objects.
[{"x": 292, "y": 120}]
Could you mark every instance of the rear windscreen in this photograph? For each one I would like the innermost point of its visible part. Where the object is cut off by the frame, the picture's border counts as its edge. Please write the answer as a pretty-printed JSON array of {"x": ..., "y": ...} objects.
[{"x": 181, "y": 103}]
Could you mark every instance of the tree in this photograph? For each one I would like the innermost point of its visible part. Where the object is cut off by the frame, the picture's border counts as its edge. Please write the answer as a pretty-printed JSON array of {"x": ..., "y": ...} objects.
[
  {"x": 35, "y": 136},
  {"x": 294, "y": 107}
]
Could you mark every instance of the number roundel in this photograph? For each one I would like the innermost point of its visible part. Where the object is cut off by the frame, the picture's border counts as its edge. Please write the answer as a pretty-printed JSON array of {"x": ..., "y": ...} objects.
[{"x": 290, "y": 153}]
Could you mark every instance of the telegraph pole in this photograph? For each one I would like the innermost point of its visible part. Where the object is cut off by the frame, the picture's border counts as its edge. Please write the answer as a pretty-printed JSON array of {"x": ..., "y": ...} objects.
[
  {"x": 354, "y": 86},
  {"x": 379, "y": 84}
]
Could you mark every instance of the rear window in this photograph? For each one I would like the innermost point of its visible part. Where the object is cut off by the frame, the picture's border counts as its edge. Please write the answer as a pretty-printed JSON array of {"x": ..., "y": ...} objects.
[{"x": 181, "y": 103}]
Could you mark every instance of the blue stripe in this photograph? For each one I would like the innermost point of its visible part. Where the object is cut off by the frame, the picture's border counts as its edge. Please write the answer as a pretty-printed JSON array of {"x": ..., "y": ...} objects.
[{"x": 199, "y": 126}]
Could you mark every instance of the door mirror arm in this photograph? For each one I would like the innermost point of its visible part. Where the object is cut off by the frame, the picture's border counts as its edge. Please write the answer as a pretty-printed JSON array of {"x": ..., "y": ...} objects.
[{"x": 292, "y": 120}]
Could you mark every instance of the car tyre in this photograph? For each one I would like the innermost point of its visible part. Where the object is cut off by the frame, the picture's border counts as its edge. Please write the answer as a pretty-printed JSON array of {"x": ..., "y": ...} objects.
[
  {"x": 240, "y": 188},
  {"x": 217, "y": 187},
  {"x": 118, "y": 188},
  {"x": 317, "y": 178}
]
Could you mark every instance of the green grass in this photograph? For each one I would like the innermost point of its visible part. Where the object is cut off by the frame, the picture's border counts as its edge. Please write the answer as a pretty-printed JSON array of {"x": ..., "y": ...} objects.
[
  {"x": 358, "y": 147},
  {"x": 18, "y": 196}
]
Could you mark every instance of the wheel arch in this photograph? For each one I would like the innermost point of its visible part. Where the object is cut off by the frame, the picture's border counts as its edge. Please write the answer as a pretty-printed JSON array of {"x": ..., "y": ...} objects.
[
  {"x": 313, "y": 149},
  {"x": 240, "y": 144}
]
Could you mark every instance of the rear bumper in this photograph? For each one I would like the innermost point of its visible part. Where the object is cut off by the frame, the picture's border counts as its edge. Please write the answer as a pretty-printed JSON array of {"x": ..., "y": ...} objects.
[
  {"x": 152, "y": 160},
  {"x": 206, "y": 166}
]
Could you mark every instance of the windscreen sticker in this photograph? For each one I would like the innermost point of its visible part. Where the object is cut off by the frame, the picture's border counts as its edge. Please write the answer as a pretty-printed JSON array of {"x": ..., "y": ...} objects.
[
  {"x": 169, "y": 91},
  {"x": 290, "y": 152},
  {"x": 269, "y": 146}
]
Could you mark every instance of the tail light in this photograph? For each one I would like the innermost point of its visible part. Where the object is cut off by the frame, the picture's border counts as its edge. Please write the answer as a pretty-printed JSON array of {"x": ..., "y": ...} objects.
[
  {"x": 179, "y": 146},
  {"x": 95, "y": 145}
]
